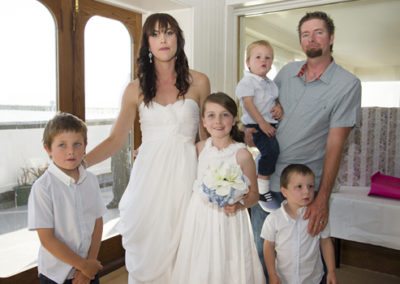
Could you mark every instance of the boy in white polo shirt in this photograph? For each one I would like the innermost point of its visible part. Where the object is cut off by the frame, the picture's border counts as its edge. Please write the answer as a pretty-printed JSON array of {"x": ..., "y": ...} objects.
[
  {"x": 291, "y": 254},
  {"x": 65, "y": 207},
  {"x": 257, "y": 95}
]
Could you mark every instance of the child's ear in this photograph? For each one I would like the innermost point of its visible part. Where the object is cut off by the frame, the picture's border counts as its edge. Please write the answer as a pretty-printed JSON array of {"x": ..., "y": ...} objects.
[
  {"x": 48, "y": 150},
  {"x": 283, "y": 191}
]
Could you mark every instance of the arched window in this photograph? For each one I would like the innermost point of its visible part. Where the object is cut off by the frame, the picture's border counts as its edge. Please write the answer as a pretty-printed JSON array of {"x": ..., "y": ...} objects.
[
  {"x": 107, "y": 72},
  {"x": 28, "y": 89},
  {"x": 42, "y": 59}
]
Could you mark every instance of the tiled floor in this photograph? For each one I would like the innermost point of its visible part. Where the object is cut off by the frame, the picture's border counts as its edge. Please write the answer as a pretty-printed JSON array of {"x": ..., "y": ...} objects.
[{"x": 345, "y": 275}]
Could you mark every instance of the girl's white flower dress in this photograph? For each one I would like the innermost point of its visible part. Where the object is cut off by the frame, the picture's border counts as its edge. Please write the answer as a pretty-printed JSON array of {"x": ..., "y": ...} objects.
[{"x": 216, "y": 248}]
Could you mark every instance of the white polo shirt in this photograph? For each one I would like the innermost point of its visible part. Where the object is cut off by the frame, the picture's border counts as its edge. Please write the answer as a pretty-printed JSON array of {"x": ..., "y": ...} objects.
[
  {"x": 71, "y": 209},
  {"x": 298, "y": 257},
  {"x": 264, "y": 92}
]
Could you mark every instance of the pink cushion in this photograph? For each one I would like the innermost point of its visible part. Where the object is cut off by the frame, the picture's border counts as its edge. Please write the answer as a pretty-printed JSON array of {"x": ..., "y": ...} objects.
[{"x": 386, "y": 186}]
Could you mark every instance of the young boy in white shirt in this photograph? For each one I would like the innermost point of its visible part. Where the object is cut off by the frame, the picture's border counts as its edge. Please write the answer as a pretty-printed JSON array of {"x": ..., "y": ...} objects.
[
  {"x": 65, "y": 207},
  {"x": 291, "y": 254},
  {"x": 257, "y": 95}
]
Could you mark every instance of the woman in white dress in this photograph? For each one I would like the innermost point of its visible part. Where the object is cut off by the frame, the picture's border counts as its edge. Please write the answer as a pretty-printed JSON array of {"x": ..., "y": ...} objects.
[
  {"x": 166, "y": 96},
  {"x": 217, "y": 245}
]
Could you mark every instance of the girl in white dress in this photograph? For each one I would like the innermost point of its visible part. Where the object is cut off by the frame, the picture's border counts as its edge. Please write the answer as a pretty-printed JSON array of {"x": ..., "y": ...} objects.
[
  {"x": 166, "y": 96},
  {"x": 217, "y": 242}
]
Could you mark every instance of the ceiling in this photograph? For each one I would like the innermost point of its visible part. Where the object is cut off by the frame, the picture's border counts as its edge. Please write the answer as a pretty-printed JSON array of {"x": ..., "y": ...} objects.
[
  {"x": 367, "y": 32},
  {"x": 149, "y": 5}
]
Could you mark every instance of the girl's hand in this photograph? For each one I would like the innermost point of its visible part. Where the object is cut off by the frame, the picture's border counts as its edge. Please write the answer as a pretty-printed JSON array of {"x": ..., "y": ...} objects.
[{"x": 231, "y": 209}]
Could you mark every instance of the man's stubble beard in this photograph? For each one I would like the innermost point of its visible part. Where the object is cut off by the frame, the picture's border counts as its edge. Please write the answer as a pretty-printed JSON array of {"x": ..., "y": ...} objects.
[{"x": 313, "y": 53}]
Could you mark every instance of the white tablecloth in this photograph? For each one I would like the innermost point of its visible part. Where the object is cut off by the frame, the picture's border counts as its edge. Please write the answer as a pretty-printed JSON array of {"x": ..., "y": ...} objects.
[{"x": 355, "y": 216}]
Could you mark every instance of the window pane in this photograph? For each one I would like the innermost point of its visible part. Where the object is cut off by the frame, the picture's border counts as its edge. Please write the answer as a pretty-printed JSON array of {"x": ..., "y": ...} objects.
[
  {"x": 380, "y": 94},
  {"x": 28, "y": 87},
  {"x": 28, "y": 62},
  {"x": 107, "y": 72},
  {"x": 107, "y": 66},
  {"x": 28, "y": 92}
]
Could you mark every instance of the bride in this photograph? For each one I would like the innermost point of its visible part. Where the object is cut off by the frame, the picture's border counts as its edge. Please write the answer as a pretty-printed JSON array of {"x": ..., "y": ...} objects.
[{"x": 167, "y": 96}]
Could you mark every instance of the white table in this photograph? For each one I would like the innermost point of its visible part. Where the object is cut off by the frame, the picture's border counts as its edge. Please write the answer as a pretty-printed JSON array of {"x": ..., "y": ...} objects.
[{"x": 355, "y": 216}]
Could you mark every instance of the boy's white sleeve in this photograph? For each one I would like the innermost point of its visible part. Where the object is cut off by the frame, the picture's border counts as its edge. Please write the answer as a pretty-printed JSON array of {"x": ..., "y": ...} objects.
[
  {"x": 268, "y": 230},
  {"x": 326, "y": 233},
  {"x": 244, "y": 89},
  {"x": 40, "y": 207}
]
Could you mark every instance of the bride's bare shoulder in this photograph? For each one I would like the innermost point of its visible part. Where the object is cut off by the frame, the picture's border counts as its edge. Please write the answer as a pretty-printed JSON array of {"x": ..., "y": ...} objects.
[{"x": 199, "y": 78}]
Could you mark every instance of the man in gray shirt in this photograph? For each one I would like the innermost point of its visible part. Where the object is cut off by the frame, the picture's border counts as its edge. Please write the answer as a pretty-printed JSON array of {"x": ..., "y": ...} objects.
[{"x": 321, "y": 103}]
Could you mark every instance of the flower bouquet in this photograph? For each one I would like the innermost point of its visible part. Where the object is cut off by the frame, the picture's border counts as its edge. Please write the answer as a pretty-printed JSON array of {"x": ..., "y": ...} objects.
[{"x": 224, "y": 183}]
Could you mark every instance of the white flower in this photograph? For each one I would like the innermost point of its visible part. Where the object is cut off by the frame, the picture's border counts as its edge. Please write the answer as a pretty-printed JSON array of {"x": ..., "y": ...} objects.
[{"x": 224, "y": 183}]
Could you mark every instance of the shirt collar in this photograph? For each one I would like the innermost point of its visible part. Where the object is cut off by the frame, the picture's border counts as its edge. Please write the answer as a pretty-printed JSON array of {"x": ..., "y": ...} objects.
[
  {"x": 324, "y": 77},
  {"x": 258, "y": 78},
  {"x": 300, "y": 211},
  {"x": 63, "y": 177}
]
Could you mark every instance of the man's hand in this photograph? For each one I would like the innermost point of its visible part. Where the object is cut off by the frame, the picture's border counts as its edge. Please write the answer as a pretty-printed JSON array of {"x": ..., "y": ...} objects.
[
  {"x": 317, "y": 213},
  {"x": 248, "y": 136}
]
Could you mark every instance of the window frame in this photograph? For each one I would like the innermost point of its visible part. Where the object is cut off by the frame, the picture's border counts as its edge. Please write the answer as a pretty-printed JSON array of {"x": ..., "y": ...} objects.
[{"x": 71, "y": 18}]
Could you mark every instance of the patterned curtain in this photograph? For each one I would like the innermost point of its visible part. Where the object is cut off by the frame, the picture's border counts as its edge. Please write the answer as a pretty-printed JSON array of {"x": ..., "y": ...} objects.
[{"x": 371, "y": 147}]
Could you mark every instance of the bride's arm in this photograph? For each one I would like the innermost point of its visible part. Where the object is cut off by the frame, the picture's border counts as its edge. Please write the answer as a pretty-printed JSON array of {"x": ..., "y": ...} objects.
[{"x": 201, "y": 84}]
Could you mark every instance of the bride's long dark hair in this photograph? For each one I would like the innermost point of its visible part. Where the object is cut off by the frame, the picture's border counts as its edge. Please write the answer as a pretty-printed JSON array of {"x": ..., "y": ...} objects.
[{"x": 146, "y": 71}]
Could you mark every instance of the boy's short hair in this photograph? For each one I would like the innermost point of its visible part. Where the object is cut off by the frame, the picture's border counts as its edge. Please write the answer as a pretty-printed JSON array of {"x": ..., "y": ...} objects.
[
  {"x": 63, "y": 122},
  {"x": 256, "y": 43},
  {"x": 294, "y": 169}
]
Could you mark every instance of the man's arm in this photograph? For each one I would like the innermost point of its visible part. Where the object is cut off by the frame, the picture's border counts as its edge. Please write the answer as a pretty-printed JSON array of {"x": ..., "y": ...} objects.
[{"x": 318, "y": 210}]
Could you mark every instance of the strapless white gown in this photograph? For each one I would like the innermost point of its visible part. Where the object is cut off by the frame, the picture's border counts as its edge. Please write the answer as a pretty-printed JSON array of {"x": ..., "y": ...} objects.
[{"x": 154, "y": 203}]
